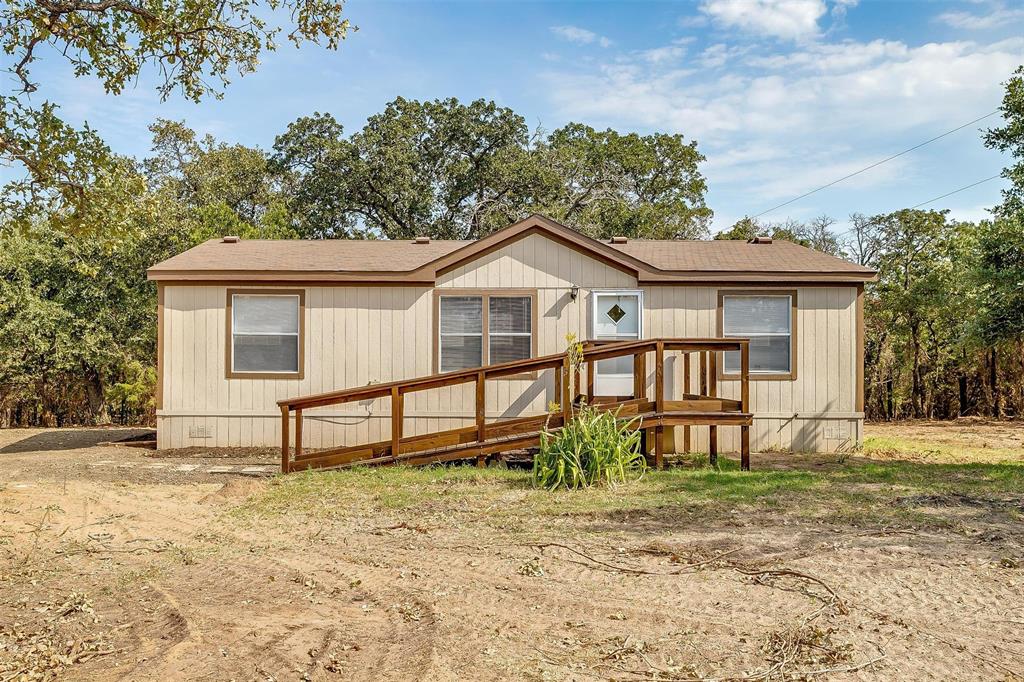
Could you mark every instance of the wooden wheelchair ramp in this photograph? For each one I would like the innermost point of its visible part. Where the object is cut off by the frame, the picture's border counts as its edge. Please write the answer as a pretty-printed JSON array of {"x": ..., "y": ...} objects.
[{"x": 702, "y": 408}]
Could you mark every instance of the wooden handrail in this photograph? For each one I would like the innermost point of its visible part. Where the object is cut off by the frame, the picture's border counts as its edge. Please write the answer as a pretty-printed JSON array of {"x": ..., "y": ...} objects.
[
  {"x": 469, "y": 375},
  {"x": 567, "y": 388}
]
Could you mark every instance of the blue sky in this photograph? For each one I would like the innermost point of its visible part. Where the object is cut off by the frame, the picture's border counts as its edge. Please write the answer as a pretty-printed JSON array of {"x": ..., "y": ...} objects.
[{"x": 782, "y": 96}]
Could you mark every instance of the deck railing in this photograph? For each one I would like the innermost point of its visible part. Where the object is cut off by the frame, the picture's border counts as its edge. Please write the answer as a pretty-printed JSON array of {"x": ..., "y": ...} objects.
[{"x": 704, "y": 408}]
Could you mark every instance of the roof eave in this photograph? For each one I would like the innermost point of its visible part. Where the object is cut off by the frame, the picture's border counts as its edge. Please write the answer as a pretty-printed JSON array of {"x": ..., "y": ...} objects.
[
  {"x": 764, "y": 277},
  {"x": 376, "y": 277}
]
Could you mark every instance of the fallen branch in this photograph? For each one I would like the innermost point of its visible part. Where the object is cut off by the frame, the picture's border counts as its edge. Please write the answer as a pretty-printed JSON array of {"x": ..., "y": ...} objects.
[
  {"x": 779, "y": 572},
  {"x": 628, "y": 569}
]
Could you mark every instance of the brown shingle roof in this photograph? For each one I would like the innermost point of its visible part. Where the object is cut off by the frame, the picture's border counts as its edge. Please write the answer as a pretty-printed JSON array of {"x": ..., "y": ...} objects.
[
  {"x": 310, "y": 256},
  {"x": 405, "y": 261},
  {"x": 734, "y": 256}
]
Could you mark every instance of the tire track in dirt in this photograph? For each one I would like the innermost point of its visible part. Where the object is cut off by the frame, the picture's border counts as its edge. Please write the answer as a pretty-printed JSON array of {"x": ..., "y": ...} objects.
[{"x": 396, "y": 632}]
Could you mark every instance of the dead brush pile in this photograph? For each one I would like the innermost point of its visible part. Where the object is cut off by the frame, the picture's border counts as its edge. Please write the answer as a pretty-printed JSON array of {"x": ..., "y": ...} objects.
[{"x": 60, "y": 636}]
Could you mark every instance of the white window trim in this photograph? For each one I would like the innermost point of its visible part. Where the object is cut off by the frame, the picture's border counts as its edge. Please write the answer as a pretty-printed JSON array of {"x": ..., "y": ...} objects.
[
  {"x": 595, "y": 294},
  {"x": 297, "y": 334},
  {"x": 788, "y": 334}
]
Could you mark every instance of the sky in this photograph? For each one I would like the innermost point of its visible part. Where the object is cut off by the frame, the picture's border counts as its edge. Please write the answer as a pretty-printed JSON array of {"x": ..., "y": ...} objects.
[{"x": 782, "y": 96}]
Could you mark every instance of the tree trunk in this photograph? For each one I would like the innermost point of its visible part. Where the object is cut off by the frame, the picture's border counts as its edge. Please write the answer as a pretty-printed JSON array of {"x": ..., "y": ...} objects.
[
  {"x": 94, "y": 391},
  {"x": 889, "y": 411},
  {"x": 962, "y": 385},
  {"x": 916, "y": 398},
  {"x": 993, "y": 380}
]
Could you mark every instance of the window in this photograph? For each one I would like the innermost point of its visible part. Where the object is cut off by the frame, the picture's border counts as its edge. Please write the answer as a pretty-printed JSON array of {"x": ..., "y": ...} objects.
[
  {"x": 509, "y": 328},
  {"x": 765, "y": 319},
  {"x": 462, "y": 332},
  {"x": 265, "y": 332},
  {"x": 484, "y": 329}
]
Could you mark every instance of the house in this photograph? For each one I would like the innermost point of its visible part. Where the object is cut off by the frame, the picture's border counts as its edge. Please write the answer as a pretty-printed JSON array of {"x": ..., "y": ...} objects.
[{"x": 246, "y": 323}]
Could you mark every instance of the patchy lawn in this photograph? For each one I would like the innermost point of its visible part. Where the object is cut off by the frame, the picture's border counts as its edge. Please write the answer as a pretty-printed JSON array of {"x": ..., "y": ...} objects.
[
  {"x": 901, "y": 562},
  {"x": 855, "y": 490},
  {"x": 968, "y": 440}
]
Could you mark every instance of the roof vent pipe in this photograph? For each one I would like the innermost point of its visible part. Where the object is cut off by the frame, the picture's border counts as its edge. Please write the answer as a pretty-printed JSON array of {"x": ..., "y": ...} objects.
[
  {"x": 231, "y": 239},
  {"x": 619, "y": 240},
  {"x": 760, "y": 240},
  {"x": 421, "y": 240}
]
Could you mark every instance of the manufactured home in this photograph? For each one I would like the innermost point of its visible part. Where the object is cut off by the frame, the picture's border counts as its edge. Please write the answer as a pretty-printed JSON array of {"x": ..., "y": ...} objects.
[{"x": 247, "y": 328}]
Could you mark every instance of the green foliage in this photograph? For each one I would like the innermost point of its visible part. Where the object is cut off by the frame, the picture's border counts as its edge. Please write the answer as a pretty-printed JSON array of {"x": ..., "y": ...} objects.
[
  {"x": 595, "y": 447},
  {"x": 605, "y": 183},
  {"x": 194, "y": 45},
  {"x": 1000, "y": 279},
  {"x": 460, "y": 171},
  {"x": 76, "y": 317},
  {"x": 135, "y": 395},
  {"x": 1010, "y": 138},
  {"x": 441, "y": 168}
]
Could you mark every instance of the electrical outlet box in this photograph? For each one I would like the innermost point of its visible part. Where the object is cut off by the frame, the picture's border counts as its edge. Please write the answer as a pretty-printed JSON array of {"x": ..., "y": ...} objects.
[
  {"x": 200, "y": 431},
  {"x": 837, "y": 431}
]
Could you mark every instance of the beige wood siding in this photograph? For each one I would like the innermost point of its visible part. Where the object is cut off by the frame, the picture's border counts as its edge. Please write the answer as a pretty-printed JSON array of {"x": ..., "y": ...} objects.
[
  {"x": 815, "y": 411},
  {"x": 355, "y": 335}
]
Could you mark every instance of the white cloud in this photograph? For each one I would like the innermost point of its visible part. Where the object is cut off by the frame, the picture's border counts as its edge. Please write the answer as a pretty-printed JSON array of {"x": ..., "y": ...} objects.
[
  {"x": 880, "y": 85},
  {"x": 774, "y": 124},
  {"x": 840, "y": 7},
  {"x": 789, "y": 19},
  {"x": 661, "y": 55},
  {"x": 996, "y": 16},
  {"x": 580, "y": 36},
  {"x": 719, "y": 54}
]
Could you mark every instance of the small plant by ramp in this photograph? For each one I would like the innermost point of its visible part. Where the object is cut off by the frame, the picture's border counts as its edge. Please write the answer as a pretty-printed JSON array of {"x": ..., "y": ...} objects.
[{"x": 595, "y": 447}]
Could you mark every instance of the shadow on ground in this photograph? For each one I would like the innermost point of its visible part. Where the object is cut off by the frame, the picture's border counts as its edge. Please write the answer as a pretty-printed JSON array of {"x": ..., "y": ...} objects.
[{"x": 71, "y": 439}]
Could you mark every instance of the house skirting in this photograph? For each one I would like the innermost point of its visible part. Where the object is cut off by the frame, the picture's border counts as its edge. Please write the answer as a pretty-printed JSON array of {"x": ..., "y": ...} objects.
[{"x": 800, "y": 432}]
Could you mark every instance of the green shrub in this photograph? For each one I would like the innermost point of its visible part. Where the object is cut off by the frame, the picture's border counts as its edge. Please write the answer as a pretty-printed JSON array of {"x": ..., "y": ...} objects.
[{"x": 594, "y": 447}]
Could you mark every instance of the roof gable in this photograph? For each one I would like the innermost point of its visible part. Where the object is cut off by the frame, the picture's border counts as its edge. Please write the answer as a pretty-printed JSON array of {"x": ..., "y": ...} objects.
[
  {"x": 406, "y": 262},
  {"x": 536, "y": 224}
]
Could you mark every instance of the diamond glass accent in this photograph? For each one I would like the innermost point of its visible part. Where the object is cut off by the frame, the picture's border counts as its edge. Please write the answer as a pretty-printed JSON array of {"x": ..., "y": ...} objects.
[{"x": 616, "y": 313}]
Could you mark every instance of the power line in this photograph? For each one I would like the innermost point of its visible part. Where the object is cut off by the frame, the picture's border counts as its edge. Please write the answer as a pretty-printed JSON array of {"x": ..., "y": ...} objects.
[
  {"x": 957, "y": 191},
  {"x": 839, "y": 235},
  {"x": 878, "y": 163}
]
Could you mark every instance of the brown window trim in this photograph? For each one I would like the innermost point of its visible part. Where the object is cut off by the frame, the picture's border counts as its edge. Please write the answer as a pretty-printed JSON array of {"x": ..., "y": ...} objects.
[
  {"x": 486, "y": 349},
  {"x": 762, "y": 376},
  {"x": 229, "y": 343}
]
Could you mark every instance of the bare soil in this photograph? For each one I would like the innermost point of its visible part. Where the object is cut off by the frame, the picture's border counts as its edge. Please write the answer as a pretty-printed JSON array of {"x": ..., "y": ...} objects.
[{"x": 111, "y": 573}]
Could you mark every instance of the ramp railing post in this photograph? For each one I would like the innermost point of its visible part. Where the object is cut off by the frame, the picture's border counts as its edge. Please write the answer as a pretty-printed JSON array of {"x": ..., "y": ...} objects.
[
  {"x": 566, "y": 388},
  {"x": 397, "y": 414},
  {"x": 481, "y": 414},
  {"x": 687, "y": 389},
  {"x": 659, "y": 403},
  {"x": 284, "y": 439},
  {"x": 745, "y": 404},
  {"x": 713, "y": 393}
]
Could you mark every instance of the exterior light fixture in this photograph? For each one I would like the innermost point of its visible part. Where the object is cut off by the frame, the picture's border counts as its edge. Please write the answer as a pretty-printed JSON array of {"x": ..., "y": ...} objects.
[{"x": 574, "y": 292}]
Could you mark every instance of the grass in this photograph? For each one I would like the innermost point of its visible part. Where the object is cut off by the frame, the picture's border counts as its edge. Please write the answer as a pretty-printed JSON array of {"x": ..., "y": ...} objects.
[
  {"x": 856, "y": 491},
  {"x": 924, "y": 450}
]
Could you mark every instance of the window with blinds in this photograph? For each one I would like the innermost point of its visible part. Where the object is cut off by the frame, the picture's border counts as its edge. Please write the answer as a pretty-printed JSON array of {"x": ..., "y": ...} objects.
[
  {"x": 469, "y": 339},
  {"x": 265, "y": 334},
  {"x": 767, "y": 322},
  {"x": 462, "y": 332}
]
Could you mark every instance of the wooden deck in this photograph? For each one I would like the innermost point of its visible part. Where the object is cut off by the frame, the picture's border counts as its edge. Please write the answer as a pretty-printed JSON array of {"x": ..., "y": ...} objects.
[{"x": 701, "y": 409}]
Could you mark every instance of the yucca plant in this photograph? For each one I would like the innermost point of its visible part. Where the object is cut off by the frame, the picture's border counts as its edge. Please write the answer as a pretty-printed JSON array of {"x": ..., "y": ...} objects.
[{"x": 594, "y": 447}]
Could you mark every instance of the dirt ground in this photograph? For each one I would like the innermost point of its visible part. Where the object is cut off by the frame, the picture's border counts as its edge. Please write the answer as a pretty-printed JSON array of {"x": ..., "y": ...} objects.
[{"x": 132, "y": 572}]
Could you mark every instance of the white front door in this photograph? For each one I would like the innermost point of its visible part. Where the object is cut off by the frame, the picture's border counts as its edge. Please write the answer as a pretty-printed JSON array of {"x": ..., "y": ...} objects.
[{"x": 616, "y": 315}]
